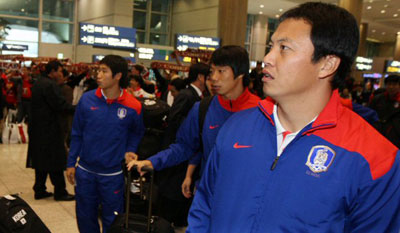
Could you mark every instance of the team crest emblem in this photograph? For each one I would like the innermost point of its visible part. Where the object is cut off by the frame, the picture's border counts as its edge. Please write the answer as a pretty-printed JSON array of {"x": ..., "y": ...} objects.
[
  {"x": 121, "y": 113},
  {"x": 320, "y": 158}
]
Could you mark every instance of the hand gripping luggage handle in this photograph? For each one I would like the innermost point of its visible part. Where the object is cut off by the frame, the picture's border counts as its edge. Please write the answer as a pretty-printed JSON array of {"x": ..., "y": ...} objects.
[{"x": 150, "y": 195}]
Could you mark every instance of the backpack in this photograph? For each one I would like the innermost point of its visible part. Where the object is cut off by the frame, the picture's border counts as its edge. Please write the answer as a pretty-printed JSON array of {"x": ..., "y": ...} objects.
[
  {"x": 155, "y": 112},
  {"x": 203, "y": 108}
]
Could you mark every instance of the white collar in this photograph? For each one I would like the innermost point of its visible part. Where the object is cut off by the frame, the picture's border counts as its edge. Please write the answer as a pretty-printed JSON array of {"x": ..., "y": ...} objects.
[
  {"x": 197, "y": 89},
  {"x": 105, "y": 97},
  {"x": 279, "y": 128}
]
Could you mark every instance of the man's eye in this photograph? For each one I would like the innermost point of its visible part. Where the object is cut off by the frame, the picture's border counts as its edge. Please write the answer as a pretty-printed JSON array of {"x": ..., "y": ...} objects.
[{"x": 283, "y": 47}]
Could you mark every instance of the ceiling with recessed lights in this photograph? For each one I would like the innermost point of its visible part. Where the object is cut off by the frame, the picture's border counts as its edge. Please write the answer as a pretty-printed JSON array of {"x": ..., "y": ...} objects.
[{"x": 382, "y": 16}]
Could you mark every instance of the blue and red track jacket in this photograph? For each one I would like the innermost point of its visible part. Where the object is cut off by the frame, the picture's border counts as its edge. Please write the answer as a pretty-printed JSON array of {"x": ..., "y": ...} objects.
[
  {"x": 187, "y": 137},
  {"x": 102, "y": 132},
  {"x": 337, "y": 175}
]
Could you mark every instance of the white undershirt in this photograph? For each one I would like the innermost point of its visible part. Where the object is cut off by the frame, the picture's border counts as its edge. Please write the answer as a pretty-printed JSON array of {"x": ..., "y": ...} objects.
[
  {"x": 283, "y": 137},
  {"x": 197, "y": 89},
  {"x": 105, "y": 97}
]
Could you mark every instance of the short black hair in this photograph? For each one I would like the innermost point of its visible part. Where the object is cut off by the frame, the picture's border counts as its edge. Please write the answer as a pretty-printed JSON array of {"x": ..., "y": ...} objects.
[
  {"x": 392, "y": 79},
  {"x": 235, "y": 57},
  {"x": 117, "y": 64},
  {"x": 65, "y": 73},
  {"x": 334, "y": 31},
  {"x": 139, "y": 68},
  {"x": 137, "y": 78},
  {"x": 195, "y": 70},
  {"x": 178, "y": 83},
  {"x": 52, "y": 66}
]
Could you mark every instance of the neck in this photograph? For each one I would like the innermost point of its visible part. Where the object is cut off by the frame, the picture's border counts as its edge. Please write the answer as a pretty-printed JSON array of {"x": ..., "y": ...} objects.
[
  {"x": 235, "y": 92},
  {"x": 296, "y": 112},
  {"x": 198, "y": 84},
  {"x": 112, "y": 93}
]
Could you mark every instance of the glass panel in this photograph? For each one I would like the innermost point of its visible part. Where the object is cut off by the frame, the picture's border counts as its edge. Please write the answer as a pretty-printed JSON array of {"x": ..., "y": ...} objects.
[
  {"x": 156, "y": 38},
  {"x": 140, "y": 4},
  {"x": 272, "y": 24},
  {"x": 139, "y": 20},
  {"x": 160, "y": 5},
  {"x": 19, "y": 29},
  {"x": 31, "y": 52},
  {"x": 20, "y": 7},
  {"x": 140, "y": 37},
  {"x": 20, "y": 32},
  {"x": 248, "y": 34},
  {"x": 158, "y": 23},
  {"x": 57, "y": 33},
  {"x": 58, "y": 10}
]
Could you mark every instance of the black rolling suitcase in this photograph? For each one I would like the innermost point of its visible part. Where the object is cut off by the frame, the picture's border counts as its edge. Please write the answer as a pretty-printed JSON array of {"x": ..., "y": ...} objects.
[
  {"x": 137, "y": 223},
  {"x": 16, "y": 216},
  {"x": 155, "y": 112}
]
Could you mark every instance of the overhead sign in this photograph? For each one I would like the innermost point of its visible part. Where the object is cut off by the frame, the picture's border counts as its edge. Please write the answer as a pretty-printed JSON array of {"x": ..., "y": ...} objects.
[
  {"x": 374, "y": 75},
  {"x": 107, "y": 36},
  {"x": 184, "y": 41},
  {"x": 15, "y": 47},
  {"x": 364, "y": 64},
  {"x": 99, "y": 57},
  {"x": 154, "y": 54},
  {"x": 392, "y": 67}
]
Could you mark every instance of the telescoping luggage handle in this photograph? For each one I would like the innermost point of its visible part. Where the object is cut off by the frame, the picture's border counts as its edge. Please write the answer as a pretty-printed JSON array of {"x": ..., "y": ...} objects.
[{"x": 128, "y": 196}]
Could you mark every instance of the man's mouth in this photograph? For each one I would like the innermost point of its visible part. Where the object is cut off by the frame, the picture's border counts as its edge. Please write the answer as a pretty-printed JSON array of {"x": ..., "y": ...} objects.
[{"x": 267, "y": 76}]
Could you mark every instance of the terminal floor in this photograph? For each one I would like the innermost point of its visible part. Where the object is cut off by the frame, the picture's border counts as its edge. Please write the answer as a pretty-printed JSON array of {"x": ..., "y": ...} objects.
[{"x": 59, "y": 217}]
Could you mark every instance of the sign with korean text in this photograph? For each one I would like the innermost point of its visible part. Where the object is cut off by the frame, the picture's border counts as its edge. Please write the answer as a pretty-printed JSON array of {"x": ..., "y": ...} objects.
[
  {"x": 184, "y": 41},
  {"x": 15, "y": 47},
  {"x": 364, "y": 63},
  {"x": 107, "y": 36},
  {"x": 392, "y": 67},
  {"x": 99, "y": 57}
]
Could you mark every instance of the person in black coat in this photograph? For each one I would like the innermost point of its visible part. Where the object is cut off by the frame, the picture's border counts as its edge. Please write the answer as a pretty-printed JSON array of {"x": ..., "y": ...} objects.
[
  {"x": 173, "y": 206},
  {"x": 387, "y": 105},
  {"x": 46, "y": 151}
]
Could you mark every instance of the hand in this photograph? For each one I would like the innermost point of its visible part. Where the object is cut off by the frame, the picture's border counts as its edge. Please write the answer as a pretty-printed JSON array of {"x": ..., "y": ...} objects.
[
  {"x": 71, "y": 175},
  {"x": 130, "y": 156},
  {"x": 139, "y": 165},
  {"x": 186, "y": 187}
]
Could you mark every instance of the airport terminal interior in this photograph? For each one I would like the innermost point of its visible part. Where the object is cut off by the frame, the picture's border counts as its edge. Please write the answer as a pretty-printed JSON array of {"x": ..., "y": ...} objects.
[{"x": 167, "y": 35}]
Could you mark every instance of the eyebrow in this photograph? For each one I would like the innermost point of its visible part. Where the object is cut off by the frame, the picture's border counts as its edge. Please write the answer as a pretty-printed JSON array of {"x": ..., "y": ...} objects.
[{"x": 284, "y": 39}]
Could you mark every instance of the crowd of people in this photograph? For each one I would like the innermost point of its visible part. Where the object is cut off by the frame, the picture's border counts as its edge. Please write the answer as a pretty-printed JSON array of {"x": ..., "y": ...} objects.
[{"x": 282, "y": 148}]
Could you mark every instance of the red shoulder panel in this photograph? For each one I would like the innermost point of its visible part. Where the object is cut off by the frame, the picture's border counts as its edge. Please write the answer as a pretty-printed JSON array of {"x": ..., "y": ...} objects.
[
  {"x": 131, "y": 102},
  {"x": 346, "y": 103},
  {"x": 354, "y": 134}
]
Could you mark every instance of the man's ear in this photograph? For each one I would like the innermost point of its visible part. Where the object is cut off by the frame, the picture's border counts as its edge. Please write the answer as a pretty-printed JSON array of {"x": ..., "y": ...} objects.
[
  {"x": 239, "y": 76},
  {"x": 201, "y": 77},
  {"x": 329, "y": 66},
  {"x": 118, "y": 76}
]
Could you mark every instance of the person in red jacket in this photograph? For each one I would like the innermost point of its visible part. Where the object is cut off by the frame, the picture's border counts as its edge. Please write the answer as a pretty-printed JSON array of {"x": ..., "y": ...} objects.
[{"x": 24, "y": 95}]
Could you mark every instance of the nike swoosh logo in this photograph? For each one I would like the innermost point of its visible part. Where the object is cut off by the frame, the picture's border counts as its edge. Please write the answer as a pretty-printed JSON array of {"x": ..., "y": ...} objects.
[
  {"x": 237, "y": 146},
  {"x": 94, "y": 108},
  {"x": 214, "y": 126},
  {"x": 116, "y": 192}
]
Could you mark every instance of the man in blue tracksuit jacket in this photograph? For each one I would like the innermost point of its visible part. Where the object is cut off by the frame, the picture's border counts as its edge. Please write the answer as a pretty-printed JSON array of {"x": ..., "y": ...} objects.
[
  {"x": 107, "y": 124},
  {"x": 301, "y": 161},
  {"x": 229, "y": 77}
]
